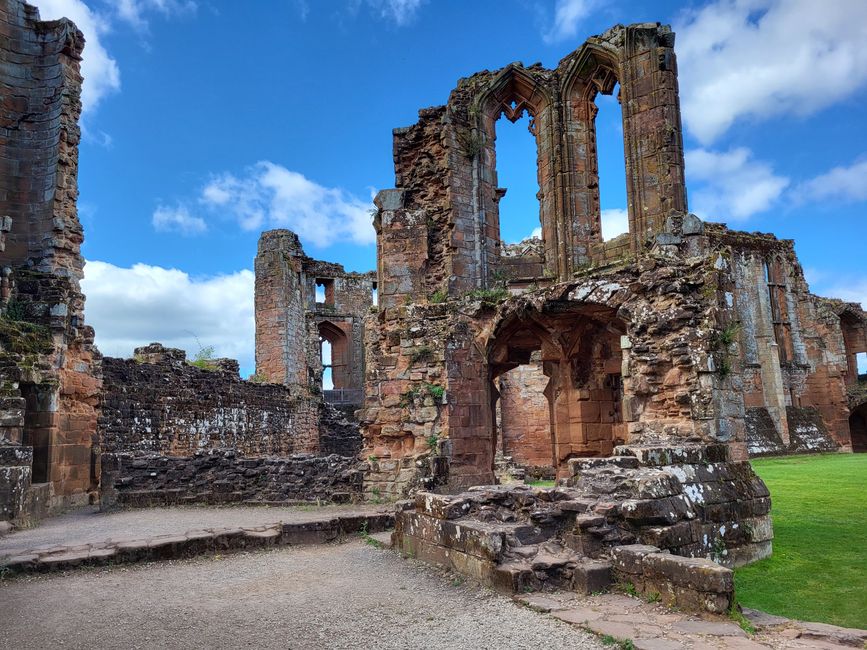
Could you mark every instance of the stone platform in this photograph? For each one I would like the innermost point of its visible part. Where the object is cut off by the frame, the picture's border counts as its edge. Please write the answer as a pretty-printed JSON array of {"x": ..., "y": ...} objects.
[
  {"x": 669, "y": 520},
  {"x": 88, "y": 537}
]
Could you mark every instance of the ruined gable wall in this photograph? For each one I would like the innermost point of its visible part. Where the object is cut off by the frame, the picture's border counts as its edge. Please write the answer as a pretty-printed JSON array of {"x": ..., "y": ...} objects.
[
  {"x": 42, "y": 262},
  {"x": 439, "y": 230}
]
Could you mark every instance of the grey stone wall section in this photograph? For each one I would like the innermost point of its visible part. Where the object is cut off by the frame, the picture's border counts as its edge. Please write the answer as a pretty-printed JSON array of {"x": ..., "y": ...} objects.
[{"x": 173, "y": 408}]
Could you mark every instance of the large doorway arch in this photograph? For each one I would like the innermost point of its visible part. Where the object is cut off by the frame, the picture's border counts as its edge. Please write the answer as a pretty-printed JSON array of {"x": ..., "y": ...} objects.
[{"x": 578, "y": 351}]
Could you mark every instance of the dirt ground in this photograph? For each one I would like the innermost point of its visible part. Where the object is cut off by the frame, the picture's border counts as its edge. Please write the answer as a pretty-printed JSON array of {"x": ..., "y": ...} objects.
[{"x": 332, "y": 596}]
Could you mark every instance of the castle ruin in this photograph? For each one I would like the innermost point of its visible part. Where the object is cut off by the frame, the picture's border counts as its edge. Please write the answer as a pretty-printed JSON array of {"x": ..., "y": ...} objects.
[{"x": 642, "y": 372}]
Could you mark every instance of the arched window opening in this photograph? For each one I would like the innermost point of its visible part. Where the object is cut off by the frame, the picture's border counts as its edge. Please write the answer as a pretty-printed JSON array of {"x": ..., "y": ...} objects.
[
  {"x": 776, "y": 282},
  {"x": 374, "y": 295},
  {"x": 325, "y": 356},
  {"x": 517, "y": 178},
  {"x": 335, "y": 356},
  {"x": 611, "y": 158},
  {"x": 861, "y": 364}
]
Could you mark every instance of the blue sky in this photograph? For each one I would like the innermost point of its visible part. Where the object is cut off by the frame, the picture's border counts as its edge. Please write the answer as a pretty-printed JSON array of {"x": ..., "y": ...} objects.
[{"x": 207, "y": 121}]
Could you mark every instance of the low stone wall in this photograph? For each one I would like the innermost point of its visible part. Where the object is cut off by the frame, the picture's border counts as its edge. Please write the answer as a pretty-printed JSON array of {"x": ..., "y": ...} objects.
[
  {"x": 193, "y": 543},
  {"x": 159, "y": 403},
  {"x": 690, "y": 584},
  {"x": 221, "y": 476},
  {"x": 15, "y": 472}
]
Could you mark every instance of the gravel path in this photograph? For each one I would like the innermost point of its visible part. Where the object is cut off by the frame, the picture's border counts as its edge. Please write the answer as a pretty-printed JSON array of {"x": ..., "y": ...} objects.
[
  {"x": 335, "y": 596},
  {"x": 88, "y": 525}
]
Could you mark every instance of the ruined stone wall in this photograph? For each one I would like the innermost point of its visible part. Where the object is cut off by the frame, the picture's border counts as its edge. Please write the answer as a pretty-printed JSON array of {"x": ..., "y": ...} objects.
[
  {"x": 173, "y": 432},
  {"x": 439, "y": 230},
  {"x": 159, "y": 403},
  {"x": 676, "y": 331},
  {"x": 219, "y": 476},
  {"x": 50, "y": 369},
  {"x": 791, "y": 347},
  {"x": 631, "y": 355},
  {"x": 291, "y": 321}
]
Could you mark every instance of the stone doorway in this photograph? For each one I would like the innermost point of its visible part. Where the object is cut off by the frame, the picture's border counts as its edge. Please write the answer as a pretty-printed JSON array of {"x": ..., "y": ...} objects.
[
  {"x": 556, "y": 389},
  {"x": 39, "y": 410},
  {"x": 858, "y": 428}
]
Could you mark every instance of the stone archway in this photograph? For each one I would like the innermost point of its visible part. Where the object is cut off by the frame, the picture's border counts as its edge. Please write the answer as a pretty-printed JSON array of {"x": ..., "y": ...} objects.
[{"x": 577, "y": 348}]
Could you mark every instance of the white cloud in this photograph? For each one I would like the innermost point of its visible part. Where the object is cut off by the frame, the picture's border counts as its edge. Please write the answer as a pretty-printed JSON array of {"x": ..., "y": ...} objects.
[
  {"x": 177, "y": 219},
  {"x": 131, "y": 307},
  {"x": 100, "y": 70},
  {"x": 831, "y": 285},
  {"x": 133, "y": 11},
  {"x": 402, "y": 12},
  {"x": 567, "y": 15},
  {"x": 841, "y": 183},
  {"x": 269, "y": 195},
  {"x": 101, "y": 73},
  {"x": 760, "y": 58},
  {"x": 614, "y": 222},
  {"x": 731, "y": 185}
]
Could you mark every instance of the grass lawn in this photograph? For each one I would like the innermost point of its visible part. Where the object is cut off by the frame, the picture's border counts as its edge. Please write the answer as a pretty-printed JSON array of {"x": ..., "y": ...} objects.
[{"x": 818, "y": 571}]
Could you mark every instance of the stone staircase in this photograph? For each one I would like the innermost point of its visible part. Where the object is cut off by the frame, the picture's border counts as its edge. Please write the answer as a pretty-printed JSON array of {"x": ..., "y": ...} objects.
[{"x": 689, "y": 502}]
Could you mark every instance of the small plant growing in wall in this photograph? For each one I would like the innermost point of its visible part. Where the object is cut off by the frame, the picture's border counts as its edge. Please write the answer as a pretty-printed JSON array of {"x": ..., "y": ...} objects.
[
  {"x": 203, "y": 358},
  {"x": 421, "y": 353},
  {"x": 439, "y": 296},
  {"x": 724, "y": 337},
  {"x": 489, "y": 297},
  {"x": 724, "y": 367},
  {"x": 15, "y": 311},
  {"x": 471, "y": 142},
  {"x": 432, "y": 441},
  {"x": 436, "y": 391},
  {"x": 718, "y": 550}
]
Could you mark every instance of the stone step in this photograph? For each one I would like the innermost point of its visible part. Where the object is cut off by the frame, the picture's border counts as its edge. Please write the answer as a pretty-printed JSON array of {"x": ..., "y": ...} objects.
[{"x": 198, "y": 542}]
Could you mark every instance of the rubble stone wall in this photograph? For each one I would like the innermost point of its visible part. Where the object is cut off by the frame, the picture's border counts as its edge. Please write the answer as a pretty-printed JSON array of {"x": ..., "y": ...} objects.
[
  {"x": 162, "y": 404},
  {"x": 218, "y": 476},
  {"x": 172, "y": 432}
]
